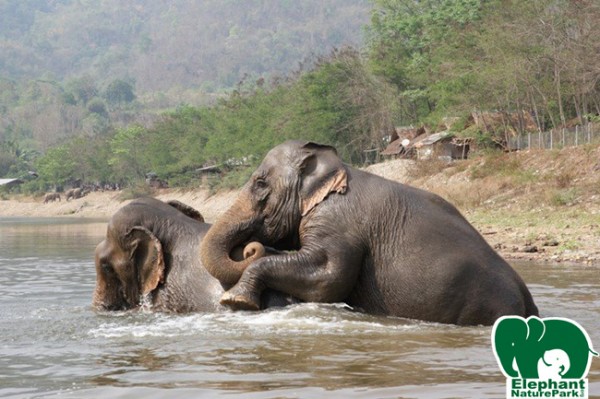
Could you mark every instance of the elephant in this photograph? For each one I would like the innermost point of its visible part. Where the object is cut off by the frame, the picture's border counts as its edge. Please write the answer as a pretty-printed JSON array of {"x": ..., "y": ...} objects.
[
  {"x": 541, "y": 348},
  {"x": 51, "y": 197},
  {"x": 149, "y": 257},
  {"x": 74, "y": 193},
  {"x": 350, "y": 236}
]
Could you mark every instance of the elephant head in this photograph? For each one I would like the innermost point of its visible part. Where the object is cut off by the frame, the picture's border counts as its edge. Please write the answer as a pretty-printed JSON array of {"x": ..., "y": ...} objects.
[
  {"x": 291, "y": 181},
  {"x": 536, "y": 348},
  {"x": 553, "y": 364},
  {"x": 129, "y": 266}
]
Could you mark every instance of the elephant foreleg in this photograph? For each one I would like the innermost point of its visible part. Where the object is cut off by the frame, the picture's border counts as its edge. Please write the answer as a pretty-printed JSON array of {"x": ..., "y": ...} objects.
[{"x": 312, "y": 275}]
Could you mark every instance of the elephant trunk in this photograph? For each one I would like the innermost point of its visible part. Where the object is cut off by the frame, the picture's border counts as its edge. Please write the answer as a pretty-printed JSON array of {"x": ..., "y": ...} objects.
[{"x": 233, "y": 229}]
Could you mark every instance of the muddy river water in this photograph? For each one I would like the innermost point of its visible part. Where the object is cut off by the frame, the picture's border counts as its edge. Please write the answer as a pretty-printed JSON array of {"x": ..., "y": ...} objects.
[{"x": 52, "y": 344}]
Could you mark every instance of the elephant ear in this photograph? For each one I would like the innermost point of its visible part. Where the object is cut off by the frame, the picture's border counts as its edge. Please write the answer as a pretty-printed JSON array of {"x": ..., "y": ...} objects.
[
  {"x": 322, "y": 172},
  {"x": 148, "y": 257}
]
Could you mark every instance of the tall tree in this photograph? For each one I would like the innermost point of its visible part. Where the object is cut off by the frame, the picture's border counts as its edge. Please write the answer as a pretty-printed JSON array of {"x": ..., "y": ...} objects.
[{"x": 421, "y": 47}]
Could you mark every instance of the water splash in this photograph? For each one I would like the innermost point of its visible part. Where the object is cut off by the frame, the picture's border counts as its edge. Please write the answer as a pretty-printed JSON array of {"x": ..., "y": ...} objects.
[
  {"x": 304, "y": 319},
  {"x": 146, "y": 303}
]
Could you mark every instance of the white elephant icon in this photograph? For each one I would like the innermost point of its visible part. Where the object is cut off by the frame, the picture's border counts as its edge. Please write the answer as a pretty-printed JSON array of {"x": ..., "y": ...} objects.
[{"x": 553, "y": 364}]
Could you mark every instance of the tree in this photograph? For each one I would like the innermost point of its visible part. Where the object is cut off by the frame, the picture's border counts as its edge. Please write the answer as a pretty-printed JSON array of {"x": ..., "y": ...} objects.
[
  {"x": 129, "y": 159},
  {"x": 119, "y": 91},
  {"x": 340, "y": 102},
  {"x": 96, "y": 106},
  {"x": 83, "y": 88},
  {"x": 56, "y": 166},
  {"x": 422, "y": 47}
]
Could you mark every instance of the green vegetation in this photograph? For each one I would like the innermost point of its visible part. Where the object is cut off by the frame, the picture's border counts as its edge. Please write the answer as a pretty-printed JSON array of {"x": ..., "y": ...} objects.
[
  {"x": 175, "y": 88},
  {"x": 339, "y": 102},
  {"x": 449, "y": 57}
]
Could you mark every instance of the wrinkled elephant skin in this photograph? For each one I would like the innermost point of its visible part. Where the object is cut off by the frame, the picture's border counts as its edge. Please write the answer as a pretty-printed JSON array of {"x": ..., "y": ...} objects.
[
  {"x": 150, "y": 257},
  {"x": 378, "y": 245}
]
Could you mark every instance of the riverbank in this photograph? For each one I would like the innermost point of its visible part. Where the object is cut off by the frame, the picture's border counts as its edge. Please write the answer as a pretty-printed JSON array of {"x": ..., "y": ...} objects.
[
  {"x": 103, "y": 204},
  {"x": 539, "y": 205}
]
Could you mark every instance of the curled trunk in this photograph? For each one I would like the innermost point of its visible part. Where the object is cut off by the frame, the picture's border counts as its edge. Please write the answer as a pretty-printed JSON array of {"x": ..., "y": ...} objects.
[{"x": 218, "y": 247}]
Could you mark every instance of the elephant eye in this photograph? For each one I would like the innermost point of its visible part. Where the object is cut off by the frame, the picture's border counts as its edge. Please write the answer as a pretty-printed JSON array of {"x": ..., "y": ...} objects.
[
  {"x": 261, "y": 183},
  {"x": 106, "y": 267}
]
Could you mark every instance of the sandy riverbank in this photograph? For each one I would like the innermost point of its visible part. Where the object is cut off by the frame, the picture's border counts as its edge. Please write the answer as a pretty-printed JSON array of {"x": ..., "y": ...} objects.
[
  {"x": 518, "y": 222},
  {"x": 103, "y": 204}
]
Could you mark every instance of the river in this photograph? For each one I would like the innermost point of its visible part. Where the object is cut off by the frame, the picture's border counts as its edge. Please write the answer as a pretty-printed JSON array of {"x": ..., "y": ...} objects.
[{"x": 53, "y": 345}]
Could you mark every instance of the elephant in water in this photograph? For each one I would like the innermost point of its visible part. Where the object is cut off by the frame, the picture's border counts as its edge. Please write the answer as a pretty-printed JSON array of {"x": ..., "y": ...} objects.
[
  {"x": 354, "y": 237},
  {"x": 150, "y": 257}
]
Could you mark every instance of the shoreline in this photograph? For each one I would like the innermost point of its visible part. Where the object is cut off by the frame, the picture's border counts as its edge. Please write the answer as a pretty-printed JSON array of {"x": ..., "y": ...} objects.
[
  {"x": 521, "y": 222},
  {"x": 531, "y": 242},
  {"x": 103, "y": 204}
]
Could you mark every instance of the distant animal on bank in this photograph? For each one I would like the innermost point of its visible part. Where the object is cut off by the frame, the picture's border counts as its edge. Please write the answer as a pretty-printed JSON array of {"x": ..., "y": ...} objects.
[
  {"x": 51, "y": 197},
  {"x": 75, "y": 193},
  {"x": 150, "y": 256},
  {"x": 378, "y": 245}
]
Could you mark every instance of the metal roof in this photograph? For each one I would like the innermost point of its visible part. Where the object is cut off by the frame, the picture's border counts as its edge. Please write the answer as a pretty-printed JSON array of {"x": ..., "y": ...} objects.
[{"x": 9, "y": 181}]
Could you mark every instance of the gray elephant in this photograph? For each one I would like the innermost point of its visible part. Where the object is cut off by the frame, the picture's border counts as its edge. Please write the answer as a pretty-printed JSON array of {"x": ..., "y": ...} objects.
[
  {"x": 51, "y": 197},
  {"x": 150, "y": 256},
  {"x": 378, "y": 245},
  {"x": 74, "y": 193}
]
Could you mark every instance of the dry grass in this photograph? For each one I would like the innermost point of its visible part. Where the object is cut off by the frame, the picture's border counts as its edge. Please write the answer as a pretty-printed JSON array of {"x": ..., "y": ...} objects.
[
  {"x": 520, "y": 180},
  {"x": 425, "y": 168}
]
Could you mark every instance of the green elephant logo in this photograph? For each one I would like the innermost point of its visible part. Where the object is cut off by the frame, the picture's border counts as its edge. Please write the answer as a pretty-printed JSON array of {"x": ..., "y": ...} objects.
[{"x": 554, "y": 352}]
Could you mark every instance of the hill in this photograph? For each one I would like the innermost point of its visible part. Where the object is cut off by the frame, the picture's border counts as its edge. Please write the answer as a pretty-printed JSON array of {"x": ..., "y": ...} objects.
[
  {"x": 173, "y": 45},
  {"x": 82, "y": 69}
]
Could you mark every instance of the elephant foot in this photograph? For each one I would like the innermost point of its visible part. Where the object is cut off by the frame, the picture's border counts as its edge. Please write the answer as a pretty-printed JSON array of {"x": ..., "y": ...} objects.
[{"x": 239, "y": 301}]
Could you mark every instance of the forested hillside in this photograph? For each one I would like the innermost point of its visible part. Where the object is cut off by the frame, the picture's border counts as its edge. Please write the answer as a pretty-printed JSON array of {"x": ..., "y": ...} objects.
[
  {"x": 108, "y": 91},
  {"x": 162, "y": 45},
  {"x": 74, "y": 69}
]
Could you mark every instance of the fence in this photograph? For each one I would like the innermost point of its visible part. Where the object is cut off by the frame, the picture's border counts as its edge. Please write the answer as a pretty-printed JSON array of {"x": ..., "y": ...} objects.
[{"x": 556, "y": 138}]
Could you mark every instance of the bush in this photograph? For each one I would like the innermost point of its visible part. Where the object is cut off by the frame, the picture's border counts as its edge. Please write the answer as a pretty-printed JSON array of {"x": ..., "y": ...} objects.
[
  {"x": 138, "y": 190},
  {"x": 119, "y": 91}
]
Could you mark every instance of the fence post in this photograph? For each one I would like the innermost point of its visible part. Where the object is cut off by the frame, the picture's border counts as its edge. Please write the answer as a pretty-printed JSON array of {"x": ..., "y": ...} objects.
[
  {"x": 528, "y": 141},
  {"x": 551, "y": 138},
  {"x": 540, "y": 139},
  {"x": 576, "y": 133},
  {"x": 563, "y": 137}
]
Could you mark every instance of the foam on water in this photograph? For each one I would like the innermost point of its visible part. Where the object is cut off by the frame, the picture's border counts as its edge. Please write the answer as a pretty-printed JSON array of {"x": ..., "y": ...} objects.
[{"x": 306, "y": 319}]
